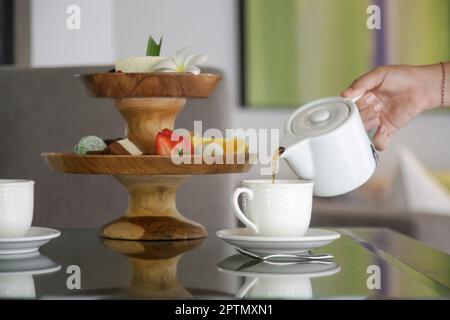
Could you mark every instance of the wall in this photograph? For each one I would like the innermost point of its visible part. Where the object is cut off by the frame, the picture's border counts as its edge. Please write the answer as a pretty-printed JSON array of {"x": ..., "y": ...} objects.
[{"x": 51, "y": 43}]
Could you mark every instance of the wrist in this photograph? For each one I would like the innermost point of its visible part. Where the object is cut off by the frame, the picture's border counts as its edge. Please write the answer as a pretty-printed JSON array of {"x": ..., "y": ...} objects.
[{"x": 431, "y": 82}]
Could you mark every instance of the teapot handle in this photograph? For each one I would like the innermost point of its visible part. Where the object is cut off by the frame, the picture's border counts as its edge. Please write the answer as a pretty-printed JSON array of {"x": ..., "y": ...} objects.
[
  {"x": 375, "y": 154},
  {"x": 372, "y": 132},
  {"x": 371, "y": 135},
  {"x": 355, "y": 99}
]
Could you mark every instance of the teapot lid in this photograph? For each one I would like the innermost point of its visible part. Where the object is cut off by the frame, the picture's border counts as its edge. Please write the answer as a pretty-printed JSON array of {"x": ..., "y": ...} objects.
[{"x": 319, "y": 117}]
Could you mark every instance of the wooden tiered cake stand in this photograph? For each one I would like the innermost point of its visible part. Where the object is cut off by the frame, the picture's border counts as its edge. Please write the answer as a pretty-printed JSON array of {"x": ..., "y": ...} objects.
[{"x": 149, "y": 102}]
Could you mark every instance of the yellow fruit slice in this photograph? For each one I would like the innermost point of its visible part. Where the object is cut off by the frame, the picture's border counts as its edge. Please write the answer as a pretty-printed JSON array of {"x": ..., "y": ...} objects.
[{"x": 230, "y": 146}]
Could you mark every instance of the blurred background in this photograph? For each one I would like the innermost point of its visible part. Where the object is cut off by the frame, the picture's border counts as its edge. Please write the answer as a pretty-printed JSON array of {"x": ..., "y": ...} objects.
[
  {"x": 274, "y": 55},
  {"x": 304, "y": 50}
]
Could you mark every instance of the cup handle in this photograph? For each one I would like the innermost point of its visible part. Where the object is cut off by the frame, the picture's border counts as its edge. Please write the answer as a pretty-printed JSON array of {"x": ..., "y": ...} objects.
[{"x": 237, "y": 210}]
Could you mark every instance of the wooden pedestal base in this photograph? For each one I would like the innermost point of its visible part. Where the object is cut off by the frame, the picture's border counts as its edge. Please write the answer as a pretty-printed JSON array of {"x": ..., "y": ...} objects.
[{"x": 152, "y": 213}]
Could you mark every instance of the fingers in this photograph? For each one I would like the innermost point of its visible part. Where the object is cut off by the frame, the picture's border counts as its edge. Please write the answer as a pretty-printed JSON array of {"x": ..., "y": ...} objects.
[
  {"x": 372, "y": 123},
  {"x": 366, "y": 100},
  {"x": 382, "y": 138},
  {"x": 366, "y": 82},
  {"x": 370, "y": 106},
  {"x": 370, "y": 109}
]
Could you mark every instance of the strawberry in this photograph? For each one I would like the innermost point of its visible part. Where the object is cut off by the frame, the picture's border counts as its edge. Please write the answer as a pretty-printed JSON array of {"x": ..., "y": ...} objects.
[
  {"x": 167, "y": 132},
  {"x": 167, "y": 141}
]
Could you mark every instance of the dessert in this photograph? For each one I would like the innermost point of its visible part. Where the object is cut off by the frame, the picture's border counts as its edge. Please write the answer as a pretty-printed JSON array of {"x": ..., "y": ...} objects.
[
  {"x": 142, "y": 64},
  {"x": 123, "y": 147},
  {"x": 137, "y": 64},
  {"x": 109, "y": 141},
  {"x": 211, "y": 148},
  {"x": 89, "y": 144},
  {"x": 227, "y": 146},
  {"x": 93, "y": 153},
  {"x": 168, "y": 143},
  {"x": 181, "y": 61}
]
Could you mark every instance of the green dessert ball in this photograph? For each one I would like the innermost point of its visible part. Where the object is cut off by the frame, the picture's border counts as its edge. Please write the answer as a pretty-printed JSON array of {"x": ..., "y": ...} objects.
[{"x": 89, "y": 143}]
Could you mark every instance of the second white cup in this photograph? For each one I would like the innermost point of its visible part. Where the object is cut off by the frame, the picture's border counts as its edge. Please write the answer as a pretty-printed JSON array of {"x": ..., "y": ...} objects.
[
  {"x": 16, "y": 207},
  {"x": 280, "y": 209}
]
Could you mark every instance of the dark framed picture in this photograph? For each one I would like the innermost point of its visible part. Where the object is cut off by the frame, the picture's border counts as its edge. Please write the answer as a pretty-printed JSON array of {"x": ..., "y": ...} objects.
[{"x": 6, "y": 32}]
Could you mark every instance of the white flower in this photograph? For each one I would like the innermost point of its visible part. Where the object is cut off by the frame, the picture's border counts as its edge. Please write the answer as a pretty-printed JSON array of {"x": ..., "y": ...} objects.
[{"x": 182, "y": 61}]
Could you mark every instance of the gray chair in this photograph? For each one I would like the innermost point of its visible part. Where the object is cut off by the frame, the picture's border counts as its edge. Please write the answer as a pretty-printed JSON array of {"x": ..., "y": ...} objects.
[{"x": 45, "y": 110}]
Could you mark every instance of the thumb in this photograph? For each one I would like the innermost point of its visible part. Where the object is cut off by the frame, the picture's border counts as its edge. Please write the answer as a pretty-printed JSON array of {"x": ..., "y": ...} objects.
[
  {"x": 366, "y": 83},
  {"x": 382, "y": 138}
]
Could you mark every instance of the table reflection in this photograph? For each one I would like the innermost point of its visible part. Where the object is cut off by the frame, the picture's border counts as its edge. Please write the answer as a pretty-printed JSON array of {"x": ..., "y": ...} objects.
[
  {"x": 266, "y": 280},
  {"x": 16, "y": 273},
  {"x": 154, "y": 267}
]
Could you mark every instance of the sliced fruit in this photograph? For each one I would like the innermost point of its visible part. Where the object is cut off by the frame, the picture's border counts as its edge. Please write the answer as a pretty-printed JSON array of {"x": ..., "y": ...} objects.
[
  {"x": 168, "y": 143},
  {"x": 230, "y": 146}
]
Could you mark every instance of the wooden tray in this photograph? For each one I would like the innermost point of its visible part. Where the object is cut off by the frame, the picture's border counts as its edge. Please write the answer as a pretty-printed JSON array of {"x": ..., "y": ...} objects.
[
  {"x": 151, "y": 85},
  {"x": 152, "y": 182},
  {"x": 134, "y": 165}
]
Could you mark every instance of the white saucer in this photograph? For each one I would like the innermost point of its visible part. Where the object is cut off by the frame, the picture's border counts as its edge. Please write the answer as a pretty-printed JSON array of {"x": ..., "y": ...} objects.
[
  {"x": 241, "y": 238},
  {"x": 35, "y": 238},
  {"x": 243, "y": 266},
  {"x": 28, "y": 263}
]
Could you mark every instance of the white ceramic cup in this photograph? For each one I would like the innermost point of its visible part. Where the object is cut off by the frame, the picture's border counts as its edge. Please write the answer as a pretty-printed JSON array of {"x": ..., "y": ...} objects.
[
  {"x": 16, "y": 207},
  {"x": 17, "y": 286},
  {"x": 295, "y": 287},
  {"x": 280, "y": 209}
]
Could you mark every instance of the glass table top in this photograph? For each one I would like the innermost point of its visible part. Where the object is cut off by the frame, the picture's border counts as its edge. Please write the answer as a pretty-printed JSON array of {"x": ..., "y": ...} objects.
[{"x": 369, "y": 263}]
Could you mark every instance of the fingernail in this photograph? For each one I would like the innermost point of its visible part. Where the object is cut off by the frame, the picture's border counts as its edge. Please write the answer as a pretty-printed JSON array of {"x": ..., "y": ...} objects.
[
  {"x": 382, "y": 129},
  {"x": 377, "y": 107},
  {"x": 370, "y": 99}
]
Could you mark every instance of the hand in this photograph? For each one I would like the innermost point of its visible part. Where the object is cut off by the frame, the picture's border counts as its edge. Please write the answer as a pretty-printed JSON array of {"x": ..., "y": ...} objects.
[{"x": 394, "y": 95}]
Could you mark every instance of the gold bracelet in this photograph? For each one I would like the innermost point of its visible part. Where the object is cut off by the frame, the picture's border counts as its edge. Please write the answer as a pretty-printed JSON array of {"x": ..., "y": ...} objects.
[{"x": 444, "y": 80}]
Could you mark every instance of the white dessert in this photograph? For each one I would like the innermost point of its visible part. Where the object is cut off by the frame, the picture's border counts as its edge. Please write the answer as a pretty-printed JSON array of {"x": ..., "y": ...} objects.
[
  {"x": 131, "y": 147},
  {"x": 138, "y": 64},
  {"x": 123, "y": 147}
]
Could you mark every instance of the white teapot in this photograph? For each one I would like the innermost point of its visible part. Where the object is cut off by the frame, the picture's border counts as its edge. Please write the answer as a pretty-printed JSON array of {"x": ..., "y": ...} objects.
[{"x": 325, "y": 141}]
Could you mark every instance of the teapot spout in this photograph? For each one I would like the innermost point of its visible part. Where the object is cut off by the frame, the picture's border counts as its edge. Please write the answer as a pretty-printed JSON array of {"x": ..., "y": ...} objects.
[{"x": 299, "y": 158}]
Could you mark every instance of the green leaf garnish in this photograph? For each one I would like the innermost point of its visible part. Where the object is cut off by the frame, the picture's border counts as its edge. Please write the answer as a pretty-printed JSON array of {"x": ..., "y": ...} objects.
[{"x": 153, "y": 48}]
